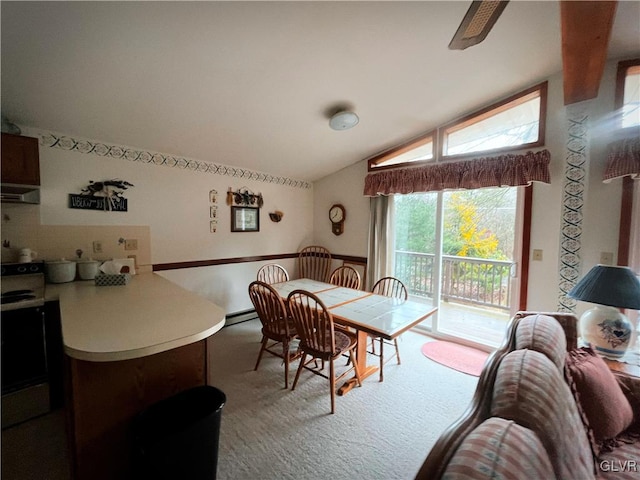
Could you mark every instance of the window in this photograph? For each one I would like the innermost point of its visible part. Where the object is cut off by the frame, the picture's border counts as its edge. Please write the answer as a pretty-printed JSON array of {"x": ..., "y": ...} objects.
[
  {"x": 630, "y": 110},
  {"x": 515, "y": 122},
  {"x": 628, "y": 103},
  {"x": 512, "y": 124},
  {"x": 414, "y": 152}
]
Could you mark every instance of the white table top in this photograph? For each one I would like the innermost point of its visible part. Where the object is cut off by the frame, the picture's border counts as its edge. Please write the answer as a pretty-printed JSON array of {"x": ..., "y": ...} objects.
[
  {"x": 147, "y": 316},
  {"x": 377, "y": 314},
  {"x": 313, "y": 286}
]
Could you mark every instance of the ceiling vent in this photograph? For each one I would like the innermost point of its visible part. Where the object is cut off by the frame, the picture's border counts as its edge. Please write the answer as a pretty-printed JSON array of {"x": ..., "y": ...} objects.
[{"x": 477, "y": 23}]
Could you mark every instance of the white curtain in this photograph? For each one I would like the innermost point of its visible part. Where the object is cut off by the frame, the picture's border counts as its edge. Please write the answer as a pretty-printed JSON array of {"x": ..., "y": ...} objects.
[
  {"x": 381, "y": 238},
  {"x": 634, "y": 255}
]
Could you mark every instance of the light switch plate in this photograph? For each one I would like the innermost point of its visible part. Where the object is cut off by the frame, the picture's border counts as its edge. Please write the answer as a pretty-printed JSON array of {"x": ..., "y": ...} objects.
[
  {"x": 131, "y": 244},
  {"x": 537, "y": 255}
]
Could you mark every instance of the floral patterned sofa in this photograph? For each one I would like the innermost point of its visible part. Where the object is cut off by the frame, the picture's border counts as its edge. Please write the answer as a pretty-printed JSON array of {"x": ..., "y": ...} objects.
[{"x": 543, "y": 409}]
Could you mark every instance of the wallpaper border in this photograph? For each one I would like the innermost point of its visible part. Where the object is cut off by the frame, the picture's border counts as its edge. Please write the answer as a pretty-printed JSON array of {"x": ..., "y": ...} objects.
[
  {"x": 101, "y": 149},
  {"x": 573, "y": 199}
]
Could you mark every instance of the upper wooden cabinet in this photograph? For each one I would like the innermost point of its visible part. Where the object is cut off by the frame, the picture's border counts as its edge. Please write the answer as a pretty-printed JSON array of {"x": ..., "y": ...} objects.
[{"x": 20, "y": 160}]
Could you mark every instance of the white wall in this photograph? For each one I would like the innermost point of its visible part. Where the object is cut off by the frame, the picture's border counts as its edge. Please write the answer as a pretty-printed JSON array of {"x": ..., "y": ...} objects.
[
  {"x": 601, "y": 208},
  {"x": 344, "y": 187},
  {"x": 547, "y": 204},
  {"x": 174, "y": 203}
]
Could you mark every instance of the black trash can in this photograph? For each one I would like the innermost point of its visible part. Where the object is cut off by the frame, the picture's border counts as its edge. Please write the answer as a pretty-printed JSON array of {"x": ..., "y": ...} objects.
[{"x": 178, "y": 437}]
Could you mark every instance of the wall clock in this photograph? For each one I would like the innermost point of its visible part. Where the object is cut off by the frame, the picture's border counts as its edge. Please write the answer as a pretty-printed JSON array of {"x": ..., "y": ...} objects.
[{"x": 337, "y": 214}]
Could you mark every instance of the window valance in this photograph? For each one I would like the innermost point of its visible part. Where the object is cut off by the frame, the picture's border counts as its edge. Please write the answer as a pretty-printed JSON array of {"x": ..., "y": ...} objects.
[
  {"x": 503, "y": 170},
  {"x": 623, "y": 159}
]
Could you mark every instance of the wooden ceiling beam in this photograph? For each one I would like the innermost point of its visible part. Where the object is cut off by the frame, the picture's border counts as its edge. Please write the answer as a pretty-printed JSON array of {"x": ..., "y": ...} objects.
[{"x": 586, "y": 29}]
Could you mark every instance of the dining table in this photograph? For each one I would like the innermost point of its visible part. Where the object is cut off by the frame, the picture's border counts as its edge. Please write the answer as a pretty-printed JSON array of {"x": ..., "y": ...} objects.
[{"x": 365, "y": 312}]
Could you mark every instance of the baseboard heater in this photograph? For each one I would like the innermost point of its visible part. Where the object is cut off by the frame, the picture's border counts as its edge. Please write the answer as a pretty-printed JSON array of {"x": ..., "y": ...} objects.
[{"x": 239, "y": 317}]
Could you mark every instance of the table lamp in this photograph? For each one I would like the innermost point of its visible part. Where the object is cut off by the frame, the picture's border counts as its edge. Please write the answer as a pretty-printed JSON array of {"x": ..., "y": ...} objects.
[{"x": 604, "y": 327}]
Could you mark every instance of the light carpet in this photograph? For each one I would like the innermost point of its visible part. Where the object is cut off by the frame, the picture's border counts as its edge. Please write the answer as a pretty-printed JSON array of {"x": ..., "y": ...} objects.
[
  {"x": 379, "y": 431},
  {"x": 453, "y": 355}
]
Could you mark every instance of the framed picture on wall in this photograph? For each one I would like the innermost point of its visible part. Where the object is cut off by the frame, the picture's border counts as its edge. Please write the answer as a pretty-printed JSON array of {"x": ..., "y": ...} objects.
[{"x": 245, "y": 219}]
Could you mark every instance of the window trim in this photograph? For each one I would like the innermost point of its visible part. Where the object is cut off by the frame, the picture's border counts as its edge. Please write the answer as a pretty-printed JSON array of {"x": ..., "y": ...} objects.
[
  {"x": 373, "y": 162},
  {"x": 437, "y": 135},
  {"x": 626, "y": 202},
  {"x": 621, "y": 77},
  {"x": 486, "y": 112}
]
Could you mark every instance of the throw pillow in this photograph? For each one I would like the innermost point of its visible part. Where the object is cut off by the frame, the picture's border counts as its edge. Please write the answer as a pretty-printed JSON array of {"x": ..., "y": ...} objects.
[{"x": 599, "y": 395}]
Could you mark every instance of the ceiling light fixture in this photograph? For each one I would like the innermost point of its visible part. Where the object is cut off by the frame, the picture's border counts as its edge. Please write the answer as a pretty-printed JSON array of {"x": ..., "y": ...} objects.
[{"x": 343, "y": 120}]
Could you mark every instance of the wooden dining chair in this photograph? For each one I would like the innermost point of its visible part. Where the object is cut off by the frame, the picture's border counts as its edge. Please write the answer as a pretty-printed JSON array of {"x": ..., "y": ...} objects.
[
  {"x": 389, "y": 287},
  {"x": 345, "y": 276},
  {"x": 277, "y": 326},
  {"x": 314, "y": 262},
  {"x": 272, "y": 273},
  {"x": 319, "y": 339}
]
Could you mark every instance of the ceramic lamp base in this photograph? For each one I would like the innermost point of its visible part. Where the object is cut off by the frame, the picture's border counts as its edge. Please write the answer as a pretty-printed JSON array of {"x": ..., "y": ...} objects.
[{"x": 606, "y": 330}]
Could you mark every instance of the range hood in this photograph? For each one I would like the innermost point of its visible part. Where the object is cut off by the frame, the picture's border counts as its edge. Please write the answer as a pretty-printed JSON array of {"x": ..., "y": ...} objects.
[{"x": 13, "y": 193}]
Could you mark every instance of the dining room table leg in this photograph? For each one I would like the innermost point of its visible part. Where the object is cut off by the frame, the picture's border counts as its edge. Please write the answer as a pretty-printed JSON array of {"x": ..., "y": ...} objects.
[{"x": 361, "y": 359}]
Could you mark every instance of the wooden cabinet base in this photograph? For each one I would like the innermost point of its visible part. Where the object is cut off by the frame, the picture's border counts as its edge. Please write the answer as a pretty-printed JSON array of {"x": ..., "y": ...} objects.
[{"x": 103, "y": 398}]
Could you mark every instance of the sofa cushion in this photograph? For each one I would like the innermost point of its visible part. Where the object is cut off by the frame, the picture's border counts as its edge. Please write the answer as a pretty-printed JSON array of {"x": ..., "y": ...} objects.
[
  {"x": 531, "y": 390},
  {"x": 597, "y": 391},
  {"x": 499, "y": 449},
  {"x": 630, "y": 385},
  {"x": 543, "y": 334},
  {"x": 621, "y": 463}
]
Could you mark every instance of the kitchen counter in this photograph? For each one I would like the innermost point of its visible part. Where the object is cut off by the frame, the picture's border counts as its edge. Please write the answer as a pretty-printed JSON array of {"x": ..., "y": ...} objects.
[
  {"x": 149, "y": 315},
  {"x": 127, "y": 348}
]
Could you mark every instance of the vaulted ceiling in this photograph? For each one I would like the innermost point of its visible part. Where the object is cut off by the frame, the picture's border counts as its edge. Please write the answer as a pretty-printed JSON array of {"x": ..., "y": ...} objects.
[{"x": 250, "y": 84}]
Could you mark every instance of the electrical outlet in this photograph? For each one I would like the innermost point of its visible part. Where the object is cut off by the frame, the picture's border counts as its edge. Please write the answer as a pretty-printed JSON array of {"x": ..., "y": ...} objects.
[
  {"x": 97, "y": 246},
  {"x": 135, "y": 260},
  {"x": 606, "y": 258},
  {"x": 537, "y": 255},
  {"x": 131, "y": 244}
]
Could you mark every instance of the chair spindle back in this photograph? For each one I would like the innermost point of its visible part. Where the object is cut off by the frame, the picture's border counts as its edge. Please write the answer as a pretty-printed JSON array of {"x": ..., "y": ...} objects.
[
  {"x": 314, "y": 262},
  {"x": 391, "y": 287},
  {"x": 270, "y": 308},
  {"x": 272, "y": 273},
  {"x": 345, "y": 276},
  {"x": 314, "y": 324}
]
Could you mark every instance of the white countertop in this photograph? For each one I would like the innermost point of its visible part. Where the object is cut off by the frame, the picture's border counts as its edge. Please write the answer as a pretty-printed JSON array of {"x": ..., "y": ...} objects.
[{"x": 149, "y": 315}]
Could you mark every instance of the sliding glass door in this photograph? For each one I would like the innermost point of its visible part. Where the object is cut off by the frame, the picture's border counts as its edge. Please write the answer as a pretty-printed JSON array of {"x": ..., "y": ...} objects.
[{"x": 457, "y": 250}]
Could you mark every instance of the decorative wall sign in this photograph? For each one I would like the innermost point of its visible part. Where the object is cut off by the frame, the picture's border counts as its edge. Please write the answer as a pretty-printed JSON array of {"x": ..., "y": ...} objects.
[
  {"x": 244, "y": 198},
  {"x": 245, "y": 219},
  {"x": 105, "y": 195},
  {"x": 213, "y": 211}
]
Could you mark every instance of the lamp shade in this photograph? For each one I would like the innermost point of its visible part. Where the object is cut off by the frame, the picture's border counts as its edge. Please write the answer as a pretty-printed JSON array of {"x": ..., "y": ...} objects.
[{"x": 609, "y": 285}]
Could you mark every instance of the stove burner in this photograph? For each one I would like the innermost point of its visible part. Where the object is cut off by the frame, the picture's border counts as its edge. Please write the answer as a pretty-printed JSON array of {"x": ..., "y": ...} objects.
[
  {"x": 17, "y": 292},
  {"x": 22, "y": 289},
  {"x": 16, "y": 298}
]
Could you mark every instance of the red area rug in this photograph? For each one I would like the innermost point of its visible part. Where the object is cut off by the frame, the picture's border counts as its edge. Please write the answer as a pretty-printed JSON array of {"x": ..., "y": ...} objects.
[{"x": 459, "y": 357}]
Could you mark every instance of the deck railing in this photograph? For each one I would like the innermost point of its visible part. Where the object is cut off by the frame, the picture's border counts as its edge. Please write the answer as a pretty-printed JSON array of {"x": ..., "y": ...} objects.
[{"x": 464, "y": 279}]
